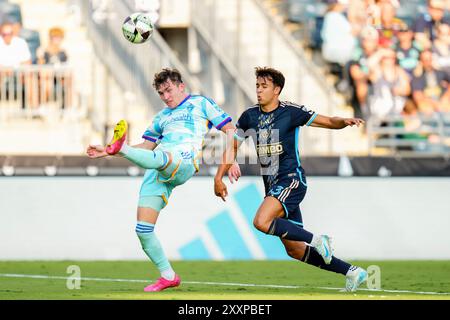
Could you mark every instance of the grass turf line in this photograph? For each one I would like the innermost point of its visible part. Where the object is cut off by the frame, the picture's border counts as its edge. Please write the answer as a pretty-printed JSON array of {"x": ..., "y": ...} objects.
[{"x": 414, "y": 276}]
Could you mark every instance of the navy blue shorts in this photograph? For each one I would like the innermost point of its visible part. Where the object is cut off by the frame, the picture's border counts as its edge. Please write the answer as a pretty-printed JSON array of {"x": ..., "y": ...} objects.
[{"x": 290, "y": 191}]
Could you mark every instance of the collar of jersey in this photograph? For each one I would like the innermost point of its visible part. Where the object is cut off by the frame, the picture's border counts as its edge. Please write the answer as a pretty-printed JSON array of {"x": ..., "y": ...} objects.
[
  {"x": 182, "y": 102},
  {"x": 261, "y": 110}
]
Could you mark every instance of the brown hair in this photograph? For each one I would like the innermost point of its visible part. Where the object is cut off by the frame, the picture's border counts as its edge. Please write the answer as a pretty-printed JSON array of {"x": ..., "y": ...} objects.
[
  {"x": 167, "y": 74},
  {"x": 56, "y": 32},
  {"x": 272, "y": 74}
]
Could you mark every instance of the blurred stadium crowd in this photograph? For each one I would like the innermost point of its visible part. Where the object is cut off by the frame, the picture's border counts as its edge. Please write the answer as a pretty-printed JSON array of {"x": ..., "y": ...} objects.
[
  {"x": 395, "y": 65},
  {"x": 20, "y": 52},
  {"x": 391, "y": 59}
]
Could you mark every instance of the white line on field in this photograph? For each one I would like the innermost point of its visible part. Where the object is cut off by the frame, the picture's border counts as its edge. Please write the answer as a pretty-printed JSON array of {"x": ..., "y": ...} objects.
[{"x": 33, "y": 276}]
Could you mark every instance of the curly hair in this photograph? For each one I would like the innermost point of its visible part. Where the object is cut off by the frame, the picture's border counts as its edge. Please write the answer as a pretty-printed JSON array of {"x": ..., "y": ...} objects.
[{"x": 167, "y": 74}]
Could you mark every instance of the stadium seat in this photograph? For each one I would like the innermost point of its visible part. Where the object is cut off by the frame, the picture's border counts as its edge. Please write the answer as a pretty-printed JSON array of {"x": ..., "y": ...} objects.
[
  {"x": 297, "y": 10},
  {"x": 310, "y": 14},
  {"x": 33, "y": 40},
  {"x": 301, "y": 11},
  {"x": 11, "y": 11}
]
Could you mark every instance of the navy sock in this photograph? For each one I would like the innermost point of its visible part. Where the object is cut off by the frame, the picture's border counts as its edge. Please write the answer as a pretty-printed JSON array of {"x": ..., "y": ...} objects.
[
  {"x": 286, "y": 229},
  {"x": 313, "y": 258}
]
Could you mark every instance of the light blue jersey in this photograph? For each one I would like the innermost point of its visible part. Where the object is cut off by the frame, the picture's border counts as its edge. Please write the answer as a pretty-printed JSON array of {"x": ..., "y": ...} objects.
[
  {"x": 185, "y": 127},
  {"x": 180, "y": 131}
]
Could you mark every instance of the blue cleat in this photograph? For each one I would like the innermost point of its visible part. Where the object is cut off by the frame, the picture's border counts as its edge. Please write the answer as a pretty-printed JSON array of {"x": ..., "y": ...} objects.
[
  {"x": 355, "y": 278},
  {"x": 324, "y": 249}
]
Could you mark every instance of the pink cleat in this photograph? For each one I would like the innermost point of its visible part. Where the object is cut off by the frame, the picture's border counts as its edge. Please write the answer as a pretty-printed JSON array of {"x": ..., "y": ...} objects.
[
  {"x": 162, "y": 284},
  {"x": 120, "y": 135}
]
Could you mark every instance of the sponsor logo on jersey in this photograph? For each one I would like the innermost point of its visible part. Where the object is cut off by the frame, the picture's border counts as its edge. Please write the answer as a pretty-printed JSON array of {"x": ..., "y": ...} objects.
[
  {"x": 270, "y": 149},
  {"x": 184, "y": 117}
]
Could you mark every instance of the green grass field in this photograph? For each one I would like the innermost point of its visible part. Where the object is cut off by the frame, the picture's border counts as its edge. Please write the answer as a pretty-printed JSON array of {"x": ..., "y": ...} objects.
[{"x": 221, "y": 280}]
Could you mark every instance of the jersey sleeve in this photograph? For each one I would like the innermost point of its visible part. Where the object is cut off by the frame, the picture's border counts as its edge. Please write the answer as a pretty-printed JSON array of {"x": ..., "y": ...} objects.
[
  {"x": 301, "y": 116},
  {"x": 215, "y": 114},
  {"x": 242, "y": 126},
  {"x": 154, "y": 131}
]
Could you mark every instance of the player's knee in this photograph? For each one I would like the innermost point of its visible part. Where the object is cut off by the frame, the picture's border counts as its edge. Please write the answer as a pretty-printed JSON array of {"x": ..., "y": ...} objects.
[
  {"x": 261, "y": 224},
  {"x": 144, "y": 230}
]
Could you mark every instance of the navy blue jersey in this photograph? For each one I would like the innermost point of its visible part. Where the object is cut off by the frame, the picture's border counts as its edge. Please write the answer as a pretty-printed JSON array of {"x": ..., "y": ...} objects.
[{"x": 275, "y": 135}]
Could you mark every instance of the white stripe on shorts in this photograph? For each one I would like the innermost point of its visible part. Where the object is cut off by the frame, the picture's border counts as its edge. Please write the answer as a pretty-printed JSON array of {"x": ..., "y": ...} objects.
[{"x": 283, "y": 196}]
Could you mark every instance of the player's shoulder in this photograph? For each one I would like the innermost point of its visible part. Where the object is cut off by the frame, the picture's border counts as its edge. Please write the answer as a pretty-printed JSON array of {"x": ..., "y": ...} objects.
[
  {"x": 291, "y": 105},
  {"x": 254, "y": 109},
  {"x": 198, "y": 98}
]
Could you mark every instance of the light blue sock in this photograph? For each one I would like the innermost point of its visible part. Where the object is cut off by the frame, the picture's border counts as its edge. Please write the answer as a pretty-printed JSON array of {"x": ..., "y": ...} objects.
[
  {"x": 146, "y": 159},
  {"x": 152, "y": 248}
]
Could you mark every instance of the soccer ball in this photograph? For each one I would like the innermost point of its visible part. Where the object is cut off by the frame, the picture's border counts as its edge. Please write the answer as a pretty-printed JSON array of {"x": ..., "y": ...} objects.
[{"x": 137, "y": 27}]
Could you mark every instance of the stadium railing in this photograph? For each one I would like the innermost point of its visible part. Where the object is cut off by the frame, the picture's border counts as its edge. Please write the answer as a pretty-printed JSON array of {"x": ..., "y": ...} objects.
[
  {"x": 36, "y": 90},
  {"x": 410, "y": 135}
]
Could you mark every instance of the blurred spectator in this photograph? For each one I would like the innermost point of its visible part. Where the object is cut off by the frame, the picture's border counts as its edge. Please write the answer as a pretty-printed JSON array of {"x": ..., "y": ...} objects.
[
  {"x": 31, "y": 37},
  {"x": 358, "y": 14},
  {"x": 374, "y": 9},
  {"x": 54, "y": 54},
  {"x": 410, "y": 109},
  {"x": 337, "y": 34},
  {"x": 365, "y": 57},
  {"x": 56, "y": 83},
  {"x": 390, "y": 86},
  {"x": 431, "y": 91},
  {"x": 425, "y": 26},
  {"x": 14, "y": 50},
  {"x": 441, "y": 48},
  {"x": 407, "y": 51},
  {"x": 387, "y": 25}
]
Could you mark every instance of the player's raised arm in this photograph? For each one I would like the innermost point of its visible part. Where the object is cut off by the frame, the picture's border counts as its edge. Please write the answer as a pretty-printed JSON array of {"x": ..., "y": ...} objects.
[{"x": 321, "y": 121}]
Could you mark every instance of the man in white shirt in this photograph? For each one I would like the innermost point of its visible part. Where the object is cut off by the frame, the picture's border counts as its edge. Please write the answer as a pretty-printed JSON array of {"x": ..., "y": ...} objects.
[{"x": 14, "y": 51}]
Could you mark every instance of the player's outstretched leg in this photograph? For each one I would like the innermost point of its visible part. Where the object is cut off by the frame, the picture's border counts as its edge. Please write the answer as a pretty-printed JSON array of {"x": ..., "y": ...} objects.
[
  {"x": 355, "y": 277},
  {"x": 270, "y": 219},
  {"x": 286, "y": 229},
  {"x": 153, "y": 249},
  {"x": 147, "y": 159}
]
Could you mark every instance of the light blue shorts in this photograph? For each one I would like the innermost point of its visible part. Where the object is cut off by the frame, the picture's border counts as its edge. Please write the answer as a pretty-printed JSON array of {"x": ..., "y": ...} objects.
[{"x": 159, "y": 184}]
